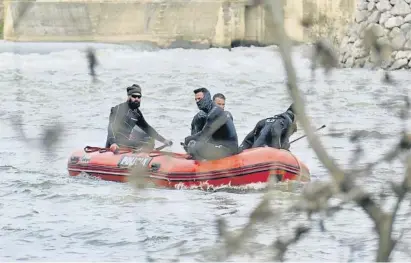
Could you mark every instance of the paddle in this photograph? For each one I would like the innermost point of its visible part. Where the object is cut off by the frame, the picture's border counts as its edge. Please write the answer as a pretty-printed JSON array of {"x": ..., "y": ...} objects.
[
  {"x": 322, "y": 127},
  {"x": 161, "y": 147}
]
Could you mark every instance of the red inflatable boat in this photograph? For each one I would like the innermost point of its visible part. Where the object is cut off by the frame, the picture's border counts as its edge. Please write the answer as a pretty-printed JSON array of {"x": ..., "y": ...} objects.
[{"x": 167, "y": 169}]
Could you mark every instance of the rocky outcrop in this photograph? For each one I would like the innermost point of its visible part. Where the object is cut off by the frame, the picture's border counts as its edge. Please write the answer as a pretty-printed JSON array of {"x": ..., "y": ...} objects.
[{"x": 390, "y": 21}]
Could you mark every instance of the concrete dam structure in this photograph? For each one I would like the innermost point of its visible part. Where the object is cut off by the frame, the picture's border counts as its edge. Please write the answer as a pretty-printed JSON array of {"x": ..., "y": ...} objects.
[{"x": 164, "y": 23}]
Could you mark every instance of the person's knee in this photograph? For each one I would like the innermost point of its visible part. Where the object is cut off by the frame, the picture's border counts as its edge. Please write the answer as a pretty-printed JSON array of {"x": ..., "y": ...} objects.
[
  {"x": 222, "y": 151},
  {"x": 194, "y": 148},
  {"x": 191, "y": 147}
]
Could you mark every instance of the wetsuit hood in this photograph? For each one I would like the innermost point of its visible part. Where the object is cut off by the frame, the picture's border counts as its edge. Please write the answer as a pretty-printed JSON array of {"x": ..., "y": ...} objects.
[
  {"x": 290, "y": 112},
  {"x": 206, "y": 103}
]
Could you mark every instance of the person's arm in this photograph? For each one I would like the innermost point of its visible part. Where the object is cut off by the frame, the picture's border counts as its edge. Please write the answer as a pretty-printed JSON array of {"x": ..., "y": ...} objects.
[
  {"x": 198, "y": 122},
  {"x": 111, "y": 137},
  {"x": 193, "y": 125},
  {"x": 142, "y": 123},
  {"x": 215, "y": 119},
  {"x": 230, "y": 115}
]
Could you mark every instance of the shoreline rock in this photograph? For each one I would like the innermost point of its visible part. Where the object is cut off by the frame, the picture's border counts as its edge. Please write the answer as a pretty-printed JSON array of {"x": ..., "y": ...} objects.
[{"x": 391, "y": 22}]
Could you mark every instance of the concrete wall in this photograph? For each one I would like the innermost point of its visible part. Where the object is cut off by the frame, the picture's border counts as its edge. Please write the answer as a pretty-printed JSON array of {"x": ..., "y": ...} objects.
[
  {"x": 331, "y": 19},
  {"x": 1, "y": 18},
  {"x": 215, "y": 23}
]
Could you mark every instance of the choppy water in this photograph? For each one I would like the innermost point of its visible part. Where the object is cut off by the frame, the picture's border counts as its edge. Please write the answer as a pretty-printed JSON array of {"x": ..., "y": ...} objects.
[{"x": 45, "y": 215}]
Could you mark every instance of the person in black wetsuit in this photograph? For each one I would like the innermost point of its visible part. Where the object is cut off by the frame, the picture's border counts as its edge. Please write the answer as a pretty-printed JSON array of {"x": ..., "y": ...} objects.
[
  {"x": 199, "y": 119},
  {"x": 124, "y": 117},
  {"x": 137, "y": 134},
  {"x": 219, "y": 100},
  {"x": 218, "y": 137},
  {"x": 273, "y": 132}
]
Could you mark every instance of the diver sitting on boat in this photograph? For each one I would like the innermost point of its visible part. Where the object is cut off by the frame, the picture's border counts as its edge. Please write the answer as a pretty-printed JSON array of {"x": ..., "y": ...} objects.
[
  {"x": 218, "y": 137},
  {"x": 272, "y": 132},
  {"x": 124, "y": 117},
  {"x": 199, "y": 119}
]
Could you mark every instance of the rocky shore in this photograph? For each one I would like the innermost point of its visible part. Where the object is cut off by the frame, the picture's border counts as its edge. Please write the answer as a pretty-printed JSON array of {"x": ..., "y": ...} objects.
[{"x": 391, "y": 22}]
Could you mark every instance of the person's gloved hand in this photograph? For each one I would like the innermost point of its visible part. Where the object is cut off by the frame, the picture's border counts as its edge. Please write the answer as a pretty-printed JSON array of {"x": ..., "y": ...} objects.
[
  {"x": 114, "y": 148},
  {"x": 286, "y": 146},
  {"x": 187, "y": 140},
  {"x": 168, "y": 142},
  {"x": 240, "y": 148}
]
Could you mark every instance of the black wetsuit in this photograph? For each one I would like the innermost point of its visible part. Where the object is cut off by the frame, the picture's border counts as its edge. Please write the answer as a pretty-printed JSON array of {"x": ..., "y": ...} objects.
[
  {"x": 121, "y": 124},
  {"x": 137, "y": 134},
  {"x": 218, "y": 137},
  {"x": 199, "y": 120},
  {"x": 273, "y": 132},
  {"x": 252, "y": 135}
]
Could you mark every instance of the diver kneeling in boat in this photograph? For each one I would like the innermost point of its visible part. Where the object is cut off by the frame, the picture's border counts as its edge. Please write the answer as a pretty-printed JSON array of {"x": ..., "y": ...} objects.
[
  {"x": 273, "y": 131},
  {"x": 124, "y": 117},
  {"x": 218, "y": 137},
  {"x": 199, "y": 119}
]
